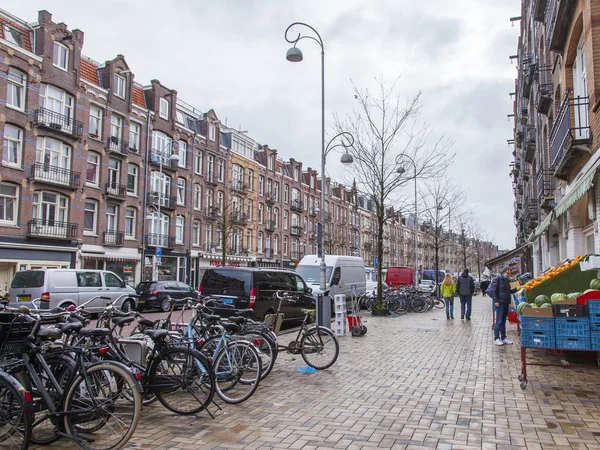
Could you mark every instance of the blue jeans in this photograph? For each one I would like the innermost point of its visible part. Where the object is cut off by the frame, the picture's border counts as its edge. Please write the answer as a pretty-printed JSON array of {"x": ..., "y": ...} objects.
[
  {"x": 465, "y": 305},
  {"x": 449, "y": 306},
  {"x": 500, "y": 326}
]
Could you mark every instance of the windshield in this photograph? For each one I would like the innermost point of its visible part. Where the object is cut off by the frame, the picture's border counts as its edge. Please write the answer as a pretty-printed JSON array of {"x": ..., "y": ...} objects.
[
  {"x": 146, "y": 286},
  {"x": 311, "y": 274}
]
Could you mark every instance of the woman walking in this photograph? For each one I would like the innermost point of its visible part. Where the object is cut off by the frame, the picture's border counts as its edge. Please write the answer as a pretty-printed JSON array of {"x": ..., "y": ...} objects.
[{"x": 448, "y": 292}]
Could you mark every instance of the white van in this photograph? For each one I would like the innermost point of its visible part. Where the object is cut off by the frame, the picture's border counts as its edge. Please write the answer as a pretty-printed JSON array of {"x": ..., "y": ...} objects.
[{"x": 343, "y": 273}]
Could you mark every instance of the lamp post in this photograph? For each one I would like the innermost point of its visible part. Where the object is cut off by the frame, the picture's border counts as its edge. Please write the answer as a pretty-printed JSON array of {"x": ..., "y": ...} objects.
[
  {"x": 400, "y": 171},
  {"x": 294, "y": 54},
  {"x": 174, "y": 158}
]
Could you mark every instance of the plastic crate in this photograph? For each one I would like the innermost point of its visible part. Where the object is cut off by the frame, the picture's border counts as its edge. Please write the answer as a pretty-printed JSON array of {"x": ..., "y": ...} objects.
[
  {"x": 595, "y": 340},
  {"x": 572, "y": 326},
  {"x": 568, "y": 310},
  {"x": 540, "y": 339},
  {"x": 573, "y": 343},
  {"x": 595, "y": 321},
  {"x": 537, "y": 323},
  {"x": 593, "y": 307}
]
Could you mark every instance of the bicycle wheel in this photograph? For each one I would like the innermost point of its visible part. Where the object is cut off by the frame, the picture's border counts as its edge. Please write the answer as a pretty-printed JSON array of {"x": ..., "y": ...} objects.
[
  {"x": 401, "y": 305},
  {"x": 439, "y": 303},
  {"x": 237, "y": 372},
  {"x": 418, "y": 304},
  {"x": 267, "y": 350},
  {"x": 182, "y": 380},
  {"x": 95, "y": 405},
  {"x": 16, "y": 414},
  {"x": 320, "y": 348}
]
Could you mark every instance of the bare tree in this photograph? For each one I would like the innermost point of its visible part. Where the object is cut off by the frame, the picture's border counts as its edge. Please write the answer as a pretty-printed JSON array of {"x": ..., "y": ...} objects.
[
  {"x": 387, "y": 137},
  {"x": 464, "y": 222}
]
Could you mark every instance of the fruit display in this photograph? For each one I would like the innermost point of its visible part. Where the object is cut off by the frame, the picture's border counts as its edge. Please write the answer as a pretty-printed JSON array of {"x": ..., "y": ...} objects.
[
  {"x": 521, "y": 306},
  {"x": 558, "y": 297},
  {"x": 541, "y": 299},
  {"x": 551, "y": 272}
]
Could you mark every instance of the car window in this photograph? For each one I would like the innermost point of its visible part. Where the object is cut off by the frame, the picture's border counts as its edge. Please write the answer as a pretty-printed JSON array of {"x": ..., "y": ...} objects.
[
  {"x": 145, "y": 286},
  {"x": 111, "y": 280},
  {"x": 275, "y": 281},
  {"x": 171, "y": 286},
  {"x": 300, "y": 286},
  {"x": 226, "y": 281},
  {"x": 28, "y": 279},
  {"x": 337, "y": 275},
  {"x": 89, "y": 279}
]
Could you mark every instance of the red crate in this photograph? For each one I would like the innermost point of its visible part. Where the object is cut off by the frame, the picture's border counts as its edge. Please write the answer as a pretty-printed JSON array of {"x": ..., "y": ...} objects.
[
  {"x": 512, "y": 317},
  {"x": 353, "y": 321}
]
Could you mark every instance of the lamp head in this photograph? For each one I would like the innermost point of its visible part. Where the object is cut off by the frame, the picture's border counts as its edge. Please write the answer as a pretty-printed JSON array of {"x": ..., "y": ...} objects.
[
  {"x": 174, "y": 157},
  {"x": 294, "y": 54},
  {"x": 400, "y": 170},
  {"x": 347, "y": 159}
]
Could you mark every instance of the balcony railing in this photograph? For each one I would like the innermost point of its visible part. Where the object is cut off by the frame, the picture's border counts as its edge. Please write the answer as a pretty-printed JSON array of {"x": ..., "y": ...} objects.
[
  {"x": 238, "y": 218},
  {"x": 239, "y": 186},
  {"x": 51, "y": 229},
  {"x": 313, "y": 212},
  {"x": 545, "y": 183},
  {"x": 550, "y": 20},
  {"x": 571, "y": 127},
  {"x": 544, "y": 89},
  {"x": 55, "y": 175},
  {"x": 117, "y": 146},
  {"x": 210, "y": 178},
  {"x": 296, "y": 255},
  {"x": 58, "y": 122},
  {"x": 166, "y": 201},
  {"x": 295, "y": 230},
  {"x": 271, "y": 198},
  {"x": 167, "y": 162},
  {"x": 115, "y": 190},
  {"x": 530, "y": 143},
  {"x": 270, "y": 225},
  {"x": 113, "y": 238},
  {"x": 531, "y": 213},
  {"x": 160, "y": 240},
  {"x": 296, "y": 205}
]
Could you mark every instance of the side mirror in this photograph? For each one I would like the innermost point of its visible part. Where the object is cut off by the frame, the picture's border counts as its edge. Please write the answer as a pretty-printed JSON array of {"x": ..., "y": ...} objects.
[{"x": 309, "y": 290}]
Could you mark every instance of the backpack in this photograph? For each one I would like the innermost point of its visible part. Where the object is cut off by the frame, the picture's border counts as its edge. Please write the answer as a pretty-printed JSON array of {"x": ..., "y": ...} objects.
[{"x": 489, "y": 291}]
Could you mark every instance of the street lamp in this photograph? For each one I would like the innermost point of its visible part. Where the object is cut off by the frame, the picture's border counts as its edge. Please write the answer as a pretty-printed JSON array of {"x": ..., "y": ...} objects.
[
  {"x": 174, "y": 157},
  {"x": 294, "y": 54},
  {"x": 400, "y": 171}
]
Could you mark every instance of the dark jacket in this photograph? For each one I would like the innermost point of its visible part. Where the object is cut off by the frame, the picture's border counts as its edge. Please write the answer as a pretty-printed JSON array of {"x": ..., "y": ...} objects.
[
  {"x": 465, "y": 284},
  {"x": 484, "y": 285},
  {"x": 500, "y": 289}
]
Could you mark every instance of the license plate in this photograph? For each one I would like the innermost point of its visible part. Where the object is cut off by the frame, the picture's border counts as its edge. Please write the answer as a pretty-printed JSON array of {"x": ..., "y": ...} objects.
[
  {"x": 141, "y": 301},
  {"x": 229, "y": 301},
  {"x": 23, "y": 298}
]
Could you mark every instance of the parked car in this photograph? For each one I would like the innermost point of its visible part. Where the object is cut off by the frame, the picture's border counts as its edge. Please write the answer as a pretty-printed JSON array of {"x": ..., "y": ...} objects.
[
  {"x": 65, "y": 287},
  {"x": 254, "y": 288},
  {"x": 158, "y": 294},
  {"x": 426, "y": 287},
  {"x": 344, "y": 273},
  {"x": 371, "y": 289}
]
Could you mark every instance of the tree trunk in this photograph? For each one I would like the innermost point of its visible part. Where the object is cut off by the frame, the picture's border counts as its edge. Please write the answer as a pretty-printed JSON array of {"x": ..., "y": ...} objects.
[
  {"x": 437, "y": 263},
  {"x": 380, "y": 221}
]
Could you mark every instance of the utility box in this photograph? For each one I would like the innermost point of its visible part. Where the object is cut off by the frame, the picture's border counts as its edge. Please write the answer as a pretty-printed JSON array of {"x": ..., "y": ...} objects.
[{"x": 324, "y": 311}]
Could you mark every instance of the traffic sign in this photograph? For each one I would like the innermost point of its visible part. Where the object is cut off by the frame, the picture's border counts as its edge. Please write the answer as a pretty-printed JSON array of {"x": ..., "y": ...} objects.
[
  {"x": 158, "y": 252},
  {"x": 375, "y": 262}
]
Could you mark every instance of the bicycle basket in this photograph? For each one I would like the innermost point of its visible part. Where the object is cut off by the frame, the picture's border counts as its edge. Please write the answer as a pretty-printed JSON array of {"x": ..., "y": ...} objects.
[{"x": 13, "y": 334}]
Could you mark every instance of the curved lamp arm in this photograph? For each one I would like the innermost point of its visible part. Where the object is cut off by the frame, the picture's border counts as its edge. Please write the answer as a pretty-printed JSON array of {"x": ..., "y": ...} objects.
[
  {"x": 346, "y": 145},
  {"x": 300, "y": 36}
]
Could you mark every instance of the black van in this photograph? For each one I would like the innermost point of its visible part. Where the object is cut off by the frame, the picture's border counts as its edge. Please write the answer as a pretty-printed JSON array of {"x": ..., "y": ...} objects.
[{"x": 254, "y": 288}]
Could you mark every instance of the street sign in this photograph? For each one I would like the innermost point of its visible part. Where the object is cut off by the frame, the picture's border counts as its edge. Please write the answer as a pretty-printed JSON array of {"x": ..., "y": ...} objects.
[
  {"x": 158, "y": 260},
  {"x": 375, "y": 262},
  {"x": 158, "y": 252}
]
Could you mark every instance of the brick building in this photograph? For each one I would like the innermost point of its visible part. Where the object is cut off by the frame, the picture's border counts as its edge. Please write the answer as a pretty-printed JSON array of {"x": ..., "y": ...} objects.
[{"x": 99, "y": 170}]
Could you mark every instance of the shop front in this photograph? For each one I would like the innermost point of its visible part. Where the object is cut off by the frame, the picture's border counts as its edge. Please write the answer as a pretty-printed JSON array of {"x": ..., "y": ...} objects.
[
  {"x": 171, "y": 266},
  {"x": 126, "y": 263}
]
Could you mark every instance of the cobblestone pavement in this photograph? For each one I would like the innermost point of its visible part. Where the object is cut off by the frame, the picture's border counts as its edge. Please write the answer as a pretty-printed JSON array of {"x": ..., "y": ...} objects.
[{"x": 414, "y": 381}]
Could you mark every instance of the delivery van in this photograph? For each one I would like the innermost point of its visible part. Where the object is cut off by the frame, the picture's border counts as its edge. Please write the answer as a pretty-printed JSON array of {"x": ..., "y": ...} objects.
[
  {"x": 399, "y": 276},
  {"x": 343, "y": 274}
]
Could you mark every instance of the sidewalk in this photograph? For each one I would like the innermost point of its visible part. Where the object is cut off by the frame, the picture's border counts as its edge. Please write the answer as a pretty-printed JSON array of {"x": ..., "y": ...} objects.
[{"x": 414, "y": 381}]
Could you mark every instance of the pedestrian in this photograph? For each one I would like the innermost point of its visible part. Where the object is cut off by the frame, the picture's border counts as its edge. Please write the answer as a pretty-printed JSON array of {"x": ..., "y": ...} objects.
[
  {"x": 465, "y": 286},
  {"x": 500, "y": 292},
  {"x": 484, "y": 285},
  {"x": 448, "y": 292}
]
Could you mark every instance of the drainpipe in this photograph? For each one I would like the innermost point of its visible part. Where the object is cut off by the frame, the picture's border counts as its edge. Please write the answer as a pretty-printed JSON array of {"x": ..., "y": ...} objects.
[{"x": 146, "y": 175}]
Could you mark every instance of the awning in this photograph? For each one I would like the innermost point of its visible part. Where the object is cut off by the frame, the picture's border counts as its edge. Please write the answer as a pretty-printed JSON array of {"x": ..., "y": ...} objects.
[
  {"x": 580, "y": 188},
  {"x": 544, "y": 225},
  {"x": 506, "y": 256},
  {"x": 108, "y": 257}
]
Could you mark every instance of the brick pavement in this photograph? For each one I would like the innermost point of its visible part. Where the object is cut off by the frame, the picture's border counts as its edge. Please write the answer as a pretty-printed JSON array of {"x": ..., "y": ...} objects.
[{"x": 414, "y": 381}]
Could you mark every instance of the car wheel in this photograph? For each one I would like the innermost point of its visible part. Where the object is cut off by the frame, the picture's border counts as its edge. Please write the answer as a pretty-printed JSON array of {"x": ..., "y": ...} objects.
[
  {"x": 127, "y": 306},
  {"x": 165, "y": 305}
]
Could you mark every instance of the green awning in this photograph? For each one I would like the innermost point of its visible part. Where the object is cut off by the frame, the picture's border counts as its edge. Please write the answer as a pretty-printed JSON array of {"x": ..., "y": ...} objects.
[
  {"x": 544, "y": 225},
  {"x": 576, "y": 193},
  {"x": 499, "y": 260}
]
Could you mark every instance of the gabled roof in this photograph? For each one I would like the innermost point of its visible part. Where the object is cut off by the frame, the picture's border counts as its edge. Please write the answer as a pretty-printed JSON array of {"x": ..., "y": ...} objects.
[
  {"x": 89, "y": 70},
  {"x": 25, "y": 32},
  {"x": 137, "y": 96}
]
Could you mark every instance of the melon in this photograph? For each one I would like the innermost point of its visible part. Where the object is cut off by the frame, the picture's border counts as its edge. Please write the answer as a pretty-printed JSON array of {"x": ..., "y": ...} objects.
[
  {"x": 557, "y": 297},
  {"x": 522, "y": 306},
  {"x": 573, "y": 295},
  {"x": 595, "y": 283},
  {"x": 541, "y": 299},
  {"x": 546, "y": 305}
]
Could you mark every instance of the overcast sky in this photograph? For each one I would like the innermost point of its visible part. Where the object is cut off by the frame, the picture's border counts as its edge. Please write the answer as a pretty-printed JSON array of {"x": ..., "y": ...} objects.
[{"x": 229, "y": 55}]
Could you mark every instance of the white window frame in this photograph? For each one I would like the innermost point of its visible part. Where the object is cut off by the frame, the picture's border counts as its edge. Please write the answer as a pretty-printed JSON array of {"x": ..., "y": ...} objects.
[
  {"x": 13, "y": 201},
  {"x": 116, "y": 127},
  {"x": 181, "y": 191},
  {"x": 60, "y": 55},
  {"x": 163, "y": 108},
  {"x": 112, "y": 220},
  {"x": 182, "y": 154},
  {"x": 179, "y": 229},
  {"x": 261, "y": 185},
  {"x": 135, "y": 130},
  {"x": 58, "y": 97},
  {"x": 212, "y": 132},
  {"x": 221, "y": 170},
  {"x": 18, "y": 87},
  {"x": 119, "y": 87},
  {"x": 15, "y": 144},
  {"x": 135, "y": 174},
  {"x": 63, "y": 152},
  {"x": 97, "y": 172},
  {"x": 261, "y": 213},
  {"x": 197, "y": 196},
  {"x": 198, "y": 162},
  {"x": 259, "y": 242},
  {"x": 196, "y": 233},
  {"x": 285, "y": 220},
  {"x": 95, "y": 119},
  {"x": 94, "y": 230},
  {"x": 250, "y": 180},
  {"x": 132, "y": 219}
]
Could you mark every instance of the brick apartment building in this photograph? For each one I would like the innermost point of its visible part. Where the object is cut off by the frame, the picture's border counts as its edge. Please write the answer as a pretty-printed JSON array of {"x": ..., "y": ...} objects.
[{"x": 99, "y": 170}]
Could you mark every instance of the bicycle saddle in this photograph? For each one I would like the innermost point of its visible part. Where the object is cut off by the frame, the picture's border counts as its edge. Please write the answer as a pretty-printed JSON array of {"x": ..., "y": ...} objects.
[
  {"x": 230, "y": 326},
  {"x": 210, "y": 317},
  {"x": 96, "y": 332},
  {"x": 146, "y": 322},
  {"x": 237, "y": 319},
  {"x": 69, "y": 327},
  {"x": 156, "y": 335},
  {"x": 50, "y": 333},
  {"x": 122, "y": 321}
]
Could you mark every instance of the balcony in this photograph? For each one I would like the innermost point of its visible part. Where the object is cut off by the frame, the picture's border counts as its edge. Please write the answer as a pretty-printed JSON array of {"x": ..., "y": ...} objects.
[
  {"x": 167, "y": 162},
  {"x": 558, "y": 18},
  {"x": 544, "y": 89},
  {"x": 166, "y": 201},
  {"x": 116, "y": 146},
  {"x": 270, "y": 226},
  {"x": 539, "y": 7},
  {"x": 327, "y": 217},
  {"x": 45, "y": 173},
  {"x": 571, "y": 136},
  {"x": 271, "y": 199},
  {"x": 296, "y": 205},
  {"x": 313, "y": 212},
  {"x": 530, "y": 214},
  {"x": 239, "y": 187},
  {"x": 51, "y": 229},
  {"x": 295, "y": 230},
  {"x": 113, "y": 238},
  {"x": 528, "y": 76},
  {"x": 57, "y": 122},
  {"x": 212, "y": 213},
  {"x": 115, "y": 190},
  {"x": 296, "y": 255},
  {"x": 546, "y": 184},
  {"x": 210, "y": 178},
  {"x": 530, "y": 143},
  {"x": 160, "y": 240},
  {"x": 238, "y": 218}
]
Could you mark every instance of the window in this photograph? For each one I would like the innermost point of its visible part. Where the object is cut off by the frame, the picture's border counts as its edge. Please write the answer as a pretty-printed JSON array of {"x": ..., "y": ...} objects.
[
  {"x": 250, "y": 180},
  {"x": 161, "y": 182},
  {"x": 285, "y": 245},
  {"x": 16, "y": 84},
  {"x": 276, "y": 191},
  {"x": 208, "y": 237},
  {"x": 249, "y": 240},
  {"x": 197, "y": 196},
  {"x": 210, "y": 167},
  {"x": 53, "y": 153},
  {"x": 13, "y": 146},
  {"x": 237, "y": 175},
  {"x": 261, "y": 185},
  {"x": 181, "y": 191},
  {"x": 130, "y": 222},
  {"x": 260, "y": 242},
  {"x": 179, "y": 226},
  {"x": 271, "y": 162},
  {"x": 270, "y": 188},
  {"x": 134, "y": 137},
  {"x": 196, "y": 233},
  {"x": 285, "y": 220},
  {"x": 116, "y": 128},
  {"x": 158, "y": 228},
  {"x": 114, "y": 174},
  {"x": 111, "y": 280},
  {"x": 296, "y": 174},
  {"x": 275, "y": 244},
  {"x": 90, "y": 216},
  {"x": 119, "y": 86},
  {"x": 182, "y": 153},
  {"x": 212, "y": 132},
  {"x": 312, "y": 182},
  {"x": 95, "y": 125},
  {"x": 161, "y": 146},
  {"x": 221, "y": 170},
  {"x": 57, "y": 101},
  {"x": 198, "y": 162},
  {"x": 286, "y": 193},
  {"x": 112, "y": 219},
  {"x": 220, "y": 201},
  {"x": 93, "y": 166},
  {"x": 261, "y": 213},
  {"x": 61, "y": 56},
  {"x": 132, "y": 179},
  {"x": 89, "y": 279},
  {"x": 209, "y": 199},
  {"x": 9, "y": 201},
  {"x": 13, "y": 36},
  {"x": 276, "y": 217},
  {"x": 179, "y": 117},
  {"x": 164, "y": 109}
]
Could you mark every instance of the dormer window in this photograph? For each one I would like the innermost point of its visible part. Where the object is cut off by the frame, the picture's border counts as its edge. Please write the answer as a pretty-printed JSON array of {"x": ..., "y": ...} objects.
[
  {"x": 164, "y": 109},
  {"x": 119, "y": 86},
  {"x": 13, "y": 36},
  {"x": 212, "y": 132},
  {"x": 61, "y": 56}
]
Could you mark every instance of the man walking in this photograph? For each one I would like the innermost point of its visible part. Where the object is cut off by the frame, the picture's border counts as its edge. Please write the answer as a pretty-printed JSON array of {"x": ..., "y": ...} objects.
[
  {"x": 465, "y": 286},
  {"x": 500, "y": 292}
]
